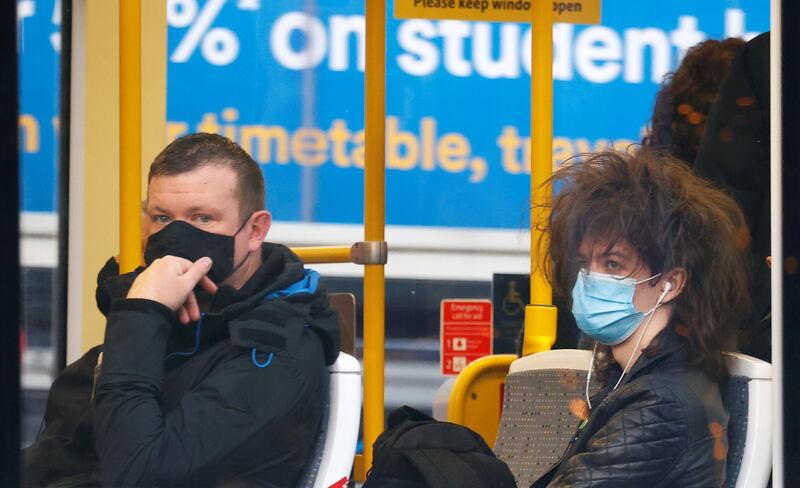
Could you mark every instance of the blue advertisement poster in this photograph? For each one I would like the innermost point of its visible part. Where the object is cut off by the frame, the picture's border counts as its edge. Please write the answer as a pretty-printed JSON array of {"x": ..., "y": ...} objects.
[
  {"x": 39, "y": 46},
  {"x": 286, "y": 80}
]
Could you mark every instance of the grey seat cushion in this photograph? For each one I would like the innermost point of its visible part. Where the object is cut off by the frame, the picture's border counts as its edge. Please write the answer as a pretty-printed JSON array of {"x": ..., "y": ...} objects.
[{"x": 541, "y": 412}]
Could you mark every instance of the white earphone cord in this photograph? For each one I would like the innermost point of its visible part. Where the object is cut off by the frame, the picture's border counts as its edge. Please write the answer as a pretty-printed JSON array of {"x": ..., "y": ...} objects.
[{"x": 650, "y": 315}]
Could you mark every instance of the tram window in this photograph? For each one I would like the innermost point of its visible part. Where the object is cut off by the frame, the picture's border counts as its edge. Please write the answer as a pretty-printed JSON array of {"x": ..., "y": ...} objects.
[
  {"x": 38, "y": 363},
  {"x": 39, "y": 40},
  {"x": 285, "y": 80},
  {"x": 457, "y": 129},
  {"x": 412, "y": 333}
]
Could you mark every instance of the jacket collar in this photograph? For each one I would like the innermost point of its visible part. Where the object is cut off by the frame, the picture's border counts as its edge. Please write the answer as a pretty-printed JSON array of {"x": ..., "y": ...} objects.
[
  {"x": 668, "y": 345},
  {"x": 280, "y": 268}
]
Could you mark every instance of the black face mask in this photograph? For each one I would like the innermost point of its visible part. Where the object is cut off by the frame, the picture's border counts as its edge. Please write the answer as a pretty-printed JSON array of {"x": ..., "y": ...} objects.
[{"x": 186, "y": 241}]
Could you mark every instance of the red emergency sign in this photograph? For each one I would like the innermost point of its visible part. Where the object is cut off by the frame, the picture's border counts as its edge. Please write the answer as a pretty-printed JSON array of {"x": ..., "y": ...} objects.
[{"x": 465, "y": 333}]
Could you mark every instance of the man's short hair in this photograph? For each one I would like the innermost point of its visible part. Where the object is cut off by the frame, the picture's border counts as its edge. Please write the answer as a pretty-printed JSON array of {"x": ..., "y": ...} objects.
[{"x": 194, "y": 151}]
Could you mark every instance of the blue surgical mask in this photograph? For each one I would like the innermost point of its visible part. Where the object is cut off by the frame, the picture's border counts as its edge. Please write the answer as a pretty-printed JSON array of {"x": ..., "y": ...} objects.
[{"x": 603, "y": 306}]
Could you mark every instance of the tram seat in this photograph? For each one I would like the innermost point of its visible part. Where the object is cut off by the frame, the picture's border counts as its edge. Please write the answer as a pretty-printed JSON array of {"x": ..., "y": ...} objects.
[
  {"x": 537, "y": 422},
  {"x": 542, "y": 391},
  {"x": 335, "y": 448},
  {"x": 749, "y": 399}
]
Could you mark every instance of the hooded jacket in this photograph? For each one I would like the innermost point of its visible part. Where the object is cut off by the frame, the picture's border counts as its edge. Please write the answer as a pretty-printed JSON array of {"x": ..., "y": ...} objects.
[
  {"x": 235, "y": 399},
  {"x": 664, "y": 426}
]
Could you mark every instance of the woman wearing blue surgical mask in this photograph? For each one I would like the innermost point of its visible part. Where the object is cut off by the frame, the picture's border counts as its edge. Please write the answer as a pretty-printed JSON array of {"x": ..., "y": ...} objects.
[{"x": 651, "y": 257}]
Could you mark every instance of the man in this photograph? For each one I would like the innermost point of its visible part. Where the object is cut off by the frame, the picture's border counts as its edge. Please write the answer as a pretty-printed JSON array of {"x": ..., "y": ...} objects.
[{"x": 213, "y": 370}]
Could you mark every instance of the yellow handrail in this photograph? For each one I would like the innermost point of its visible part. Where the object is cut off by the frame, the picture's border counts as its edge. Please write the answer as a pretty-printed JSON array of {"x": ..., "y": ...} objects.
[
  {"x": 130, "y": 134},
  {"x": 374, "y": 221},
  {"x": 318, "y": 255},
  {"x": 474, "y": 400},
  {"x": 540, "y": 316}
]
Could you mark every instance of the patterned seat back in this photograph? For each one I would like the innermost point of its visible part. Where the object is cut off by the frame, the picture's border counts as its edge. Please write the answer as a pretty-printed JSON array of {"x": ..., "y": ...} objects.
[
  {"x": 542, "y": 407},
  {"x": 544, "y": 398},
  {"x": 335, "y": 445},
  {"x": 748, "y": 397},
  {"x": 309, "y": 477},
  {"x": 736, "y": 399}
]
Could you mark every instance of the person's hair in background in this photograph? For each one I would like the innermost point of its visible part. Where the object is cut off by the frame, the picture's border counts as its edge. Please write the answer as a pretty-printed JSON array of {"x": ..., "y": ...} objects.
[
  {"x": 686, "y": 96},
  {"x": 672, "y": 219},
  {"x": 193, "y": 151}
]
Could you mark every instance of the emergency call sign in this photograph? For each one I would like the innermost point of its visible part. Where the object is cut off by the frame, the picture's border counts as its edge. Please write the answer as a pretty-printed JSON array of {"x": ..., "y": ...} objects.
[{"x": 465, "y": 333}]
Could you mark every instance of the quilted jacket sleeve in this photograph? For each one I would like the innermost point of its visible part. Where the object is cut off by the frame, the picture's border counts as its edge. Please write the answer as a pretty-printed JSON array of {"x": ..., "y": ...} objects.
[{"x": 640, "y": 445}]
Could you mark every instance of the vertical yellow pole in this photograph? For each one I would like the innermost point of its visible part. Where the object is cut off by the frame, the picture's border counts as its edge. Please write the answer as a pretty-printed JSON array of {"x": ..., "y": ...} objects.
[
  {"x": 374, "y": 220},
  {"x": 540, "y": 316},
  {"x": 130, "y": 136}
]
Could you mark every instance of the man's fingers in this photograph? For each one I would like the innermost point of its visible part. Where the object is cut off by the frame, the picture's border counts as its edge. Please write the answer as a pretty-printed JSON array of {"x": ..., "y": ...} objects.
[
  {"x": 197, "y": 271},
  {"x": 208, "y": 285},
  {"x": 183, "y": 316},
  {"x": 171, "y": 280},
  {"x": 191, "y": 307}
]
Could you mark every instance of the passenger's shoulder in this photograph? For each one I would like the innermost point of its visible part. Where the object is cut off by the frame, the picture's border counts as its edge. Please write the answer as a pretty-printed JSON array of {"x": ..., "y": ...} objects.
[
  {"x": 686, "y": 382},
  {"x": 689, "y": 397},
  {"x": 654, "y": 396},
  {"x": 83, "y": 366}
]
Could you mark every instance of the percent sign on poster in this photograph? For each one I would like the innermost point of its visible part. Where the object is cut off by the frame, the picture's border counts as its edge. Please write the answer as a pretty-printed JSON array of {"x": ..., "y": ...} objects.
[{"x": 218, "y": 45}]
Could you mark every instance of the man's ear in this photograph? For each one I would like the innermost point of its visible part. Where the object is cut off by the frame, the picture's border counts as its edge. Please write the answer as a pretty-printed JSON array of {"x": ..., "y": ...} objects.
[
  {"x": 672, "y": 282},
  {"x": 257, "y": 228}
]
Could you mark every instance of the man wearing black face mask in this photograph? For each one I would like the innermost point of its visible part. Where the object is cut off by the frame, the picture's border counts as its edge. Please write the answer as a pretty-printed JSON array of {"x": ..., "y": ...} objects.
[{"x": 213, "y": 369}]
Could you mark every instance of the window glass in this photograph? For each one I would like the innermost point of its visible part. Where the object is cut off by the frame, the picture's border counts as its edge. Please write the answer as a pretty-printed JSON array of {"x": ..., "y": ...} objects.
[
  {"x": 39, "y": 44},
  {"x": 286, "y": 81}
]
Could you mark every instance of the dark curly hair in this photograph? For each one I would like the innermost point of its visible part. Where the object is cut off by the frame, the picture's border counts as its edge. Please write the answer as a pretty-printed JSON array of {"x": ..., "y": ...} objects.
[
  {"x": 686, "y": 97},
  {"x": 673, "y": 219}
]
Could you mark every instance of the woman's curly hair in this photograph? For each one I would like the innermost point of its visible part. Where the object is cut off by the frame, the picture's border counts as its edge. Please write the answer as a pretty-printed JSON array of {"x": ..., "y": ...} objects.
[
  {"x": 672, "y": 219},
  {"x": 686, "y": 97}
]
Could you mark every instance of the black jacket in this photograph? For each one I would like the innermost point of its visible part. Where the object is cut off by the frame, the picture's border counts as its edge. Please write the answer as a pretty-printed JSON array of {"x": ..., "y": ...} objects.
[
  {"x": 664, "y": 426},
  {"x": 735, "y": 154},
  {"x": 234, "y": 400}
]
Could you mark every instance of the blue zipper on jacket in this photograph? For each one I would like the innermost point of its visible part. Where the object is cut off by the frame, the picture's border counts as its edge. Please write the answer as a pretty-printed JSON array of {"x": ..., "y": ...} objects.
[
  {"x": 196, "y": 340},
  {"x": 307, "y": 284}
]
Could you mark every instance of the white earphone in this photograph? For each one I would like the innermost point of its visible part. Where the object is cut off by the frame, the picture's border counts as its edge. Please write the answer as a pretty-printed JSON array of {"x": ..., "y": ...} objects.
[{"x": 667, "y": 289}]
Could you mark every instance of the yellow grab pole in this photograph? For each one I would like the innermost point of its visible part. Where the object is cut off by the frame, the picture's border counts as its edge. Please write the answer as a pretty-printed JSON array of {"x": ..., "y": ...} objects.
[
  {"x": 130, "y": 133},
  {"x": 374, "y": 221},
  {"x": 540, "y": 316},
  {"x": 318, "y": 255}
]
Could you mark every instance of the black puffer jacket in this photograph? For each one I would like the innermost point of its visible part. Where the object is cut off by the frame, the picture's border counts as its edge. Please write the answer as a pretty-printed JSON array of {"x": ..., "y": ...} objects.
[
  {"x": 664, "y": 426},
  {"x": 234, "y": 400}
]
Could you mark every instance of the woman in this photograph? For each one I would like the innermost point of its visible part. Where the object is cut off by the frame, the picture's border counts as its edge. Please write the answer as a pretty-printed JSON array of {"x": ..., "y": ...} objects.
[
  {"x": 652, "y": 257},
  {"x": 686, "y": 96}
]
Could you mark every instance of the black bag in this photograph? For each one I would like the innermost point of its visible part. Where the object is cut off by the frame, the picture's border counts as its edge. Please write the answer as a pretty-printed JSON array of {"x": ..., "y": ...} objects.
[{"x": 418, "y": 451}]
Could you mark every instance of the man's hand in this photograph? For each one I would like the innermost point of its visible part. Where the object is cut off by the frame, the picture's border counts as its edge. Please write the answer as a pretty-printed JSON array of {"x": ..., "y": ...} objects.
[{"x": 171, "y": 281}]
